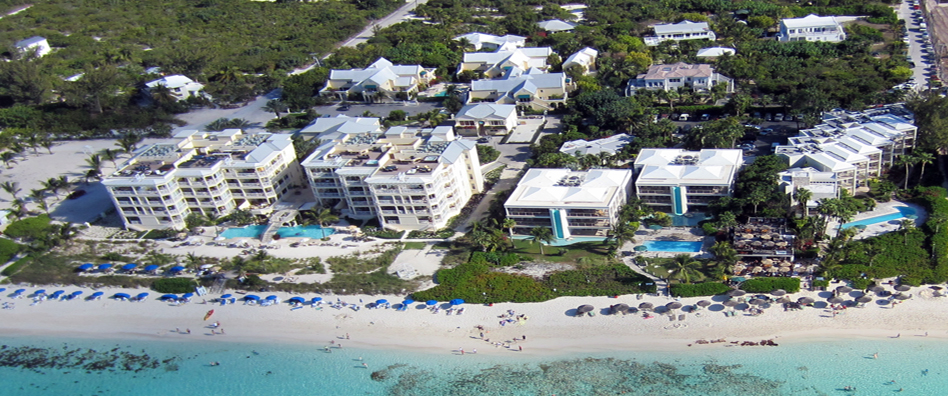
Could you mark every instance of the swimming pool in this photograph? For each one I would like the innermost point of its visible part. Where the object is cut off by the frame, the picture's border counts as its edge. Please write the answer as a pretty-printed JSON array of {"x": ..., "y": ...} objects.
[
  {"x": 674, "y": 246},
  {"x": 902, "y": 212},
  {"x": 254, "y": 231}
]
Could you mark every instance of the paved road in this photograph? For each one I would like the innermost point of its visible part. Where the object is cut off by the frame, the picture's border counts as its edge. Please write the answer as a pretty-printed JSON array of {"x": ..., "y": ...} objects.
[
  {"x": 904, "y": 11},
  {"x": 398, "y": 16},
  {"x": 512, "y": 155},
  {"x": 252, "y": 112}
]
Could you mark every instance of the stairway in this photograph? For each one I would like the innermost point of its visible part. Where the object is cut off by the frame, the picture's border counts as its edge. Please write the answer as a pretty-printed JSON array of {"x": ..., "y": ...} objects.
[{"x": 276, "y": 221}]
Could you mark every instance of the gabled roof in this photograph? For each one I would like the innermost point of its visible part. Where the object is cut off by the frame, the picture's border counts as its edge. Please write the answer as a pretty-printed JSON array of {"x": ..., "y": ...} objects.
[
  {"x": 172, "y": 82},
  {"x": 344, "y": 124},
  {"x": 556, "y": 25},
  {"x": 514, "y": 84},
  {"x": 809, "y": 21},
  {"x": 30, "y": 41},
  {"x": 677, "y": 70},
  {"x": 487, "y": 110},
  {"x": 585, "y": 56},
  {"x": 685, "y": 26},
  {"x": 479, "y": 39},
  {"x": 714, "y": 52},
  {"x": 380, "y": 71}
]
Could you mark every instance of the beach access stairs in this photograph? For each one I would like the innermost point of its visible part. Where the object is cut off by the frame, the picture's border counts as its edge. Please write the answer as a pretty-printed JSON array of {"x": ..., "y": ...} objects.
[{"x": 276, "y": 221}]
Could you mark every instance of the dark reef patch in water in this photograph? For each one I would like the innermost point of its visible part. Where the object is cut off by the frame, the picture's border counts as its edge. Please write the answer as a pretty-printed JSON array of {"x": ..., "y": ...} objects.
[
  {"x": 88, "y": 360},
  {"x": 590, "y": 376}
]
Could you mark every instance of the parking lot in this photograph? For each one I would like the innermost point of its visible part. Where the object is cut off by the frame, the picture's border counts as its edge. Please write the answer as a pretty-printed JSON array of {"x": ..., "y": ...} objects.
[
  {"x": 920, "y": 52},
  {"x": 769, "y": 133}
]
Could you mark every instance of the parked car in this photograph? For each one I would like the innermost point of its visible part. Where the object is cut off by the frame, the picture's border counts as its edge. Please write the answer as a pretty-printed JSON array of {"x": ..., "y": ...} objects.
[
  {"x": 766, "y": 131},
  {"x": 483, "y": 140},
  {"x": 684, "y": 117},
  {"x": 343, "y": 108},
  {"x": 778, "y": 117},
  {"x": 705, "y": 117},
  {"x": 769, "y": 117},
  {"x": 756, "y": 115}
]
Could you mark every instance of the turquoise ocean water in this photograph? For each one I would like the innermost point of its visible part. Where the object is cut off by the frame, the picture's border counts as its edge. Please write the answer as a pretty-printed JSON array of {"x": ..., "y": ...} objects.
[{"x": 33, "y": 366}]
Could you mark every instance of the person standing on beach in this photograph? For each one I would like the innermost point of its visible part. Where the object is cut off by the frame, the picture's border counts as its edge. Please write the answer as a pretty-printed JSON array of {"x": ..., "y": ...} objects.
[
  {"x": 189, "y": 331},
  {"x": 521, "y": 348}
]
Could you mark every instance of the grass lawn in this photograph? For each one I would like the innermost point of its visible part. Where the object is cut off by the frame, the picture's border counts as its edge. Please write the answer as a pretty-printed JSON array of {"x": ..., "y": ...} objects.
[
  {"x": 414, "y": 245},
  {"x": 561, "y": 254}
]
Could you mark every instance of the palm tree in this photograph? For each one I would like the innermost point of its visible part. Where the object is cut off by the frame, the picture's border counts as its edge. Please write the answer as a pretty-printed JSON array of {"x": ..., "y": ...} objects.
[
  {"x": 685, "y": 268},
  {"x": 724, "y": 252},
  {"x": 95, "y": 162},
  {"x": 923, "y": 158},
  {"x": 8, "y": 158},
  {"x": 111, "y": 155},
  {"x": 510, "y": 224},
  {"x": 803, "y": 196},
  {"x": 39, "y": 196},
  {"x": 275, "y": 106},
  {"x": 541, "y": 235},
  {"x": 622, "y": 233},
  {"x": 18, "y": 208},
  {"x": 47, "y": 144},
  {"x": 907, "y": 161},
  {"x": 129, "y": 142},
  {"x": 11, "y": 187},
  {"x": 324, "y": 216}
]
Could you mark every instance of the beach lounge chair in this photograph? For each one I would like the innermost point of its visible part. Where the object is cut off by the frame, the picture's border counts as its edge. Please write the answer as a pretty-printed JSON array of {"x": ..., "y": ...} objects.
[
  {"x": 681, "y": 317},
  {"x": 671, "y": 318}
]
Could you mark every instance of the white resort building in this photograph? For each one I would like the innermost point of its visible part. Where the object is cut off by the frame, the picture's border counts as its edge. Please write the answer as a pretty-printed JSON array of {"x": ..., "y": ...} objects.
[
  {"x": 811, "y": 28},
  {"x": 35, "y": 43},
  {"x": 585, "y": 58},
  {"x": 500, "y": 63},
  {"x": 700, "y": 77},
  {"x": 684, "y": 30},
  {"x": 571, "y": 203},
  {"x": 610, "y": 145},
  {"x": 206, "y": 173},
  {"x": 486, "y": 119},
  {"x": 822, "y": 185},
  {"x": 180, "y": 86},
  {"x": 676, "y": 181},
  {"x": 409, "y": 179},
  {"x": 857, "y": 146},
  {"x": 531, "y": 88}
]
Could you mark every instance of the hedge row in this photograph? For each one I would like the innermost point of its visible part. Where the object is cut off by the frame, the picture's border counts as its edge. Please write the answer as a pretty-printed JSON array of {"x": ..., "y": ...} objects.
[
  {"x": 767, "y": 285},
  {"x": 607, "y": 280},
  {"x": 933, "y": 199},
  {"x": 13, "y": 268},
  {"x": 8, "y": 249},
  {"x": 174, "y": 285},
  {"x": 698, "y": 289},
  {"x": 495, "y": 259}
]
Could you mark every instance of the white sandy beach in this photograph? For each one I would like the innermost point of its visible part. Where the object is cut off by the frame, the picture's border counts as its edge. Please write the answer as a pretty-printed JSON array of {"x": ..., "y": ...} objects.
[{"x": 550, "y": 330}]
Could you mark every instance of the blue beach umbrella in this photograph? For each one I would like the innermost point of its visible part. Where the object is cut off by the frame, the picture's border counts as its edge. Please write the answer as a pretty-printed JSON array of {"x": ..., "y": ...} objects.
[
  {"x": 57, "y": 293},
  {"x": 317, "y": 299},
  {"x": 141, "y": 296},
  {"x": 39, "y": 292},
  {"x": 128, "y": 267},
  {"x": 251, "y": 297},
  {"x": 408, "y": 301},
  {"x": 98, "y": 294},
  {"x": 168, "y": 297},
  {"x": 151, "y": 267},
  {"x": 296, "y": 300},
  {"x": 457, "y": 301},
  {"x": 430, "y": 302},
  {"x": 187, "y": 296},
  {"x": 177, "y": 268},
  {"x": 271, "y": 298},
  {"x": 381, "y": 301},
  {"x": 75, "y": 294},
  {"x": 86, "y": 267},
  {"x": 3, "y": 289},
  {"x": 121, "y": 295},
  {"x": 105, "y": 266},
  {"x": 226, "y": 296},
  {"x": 19, "y": 291}
]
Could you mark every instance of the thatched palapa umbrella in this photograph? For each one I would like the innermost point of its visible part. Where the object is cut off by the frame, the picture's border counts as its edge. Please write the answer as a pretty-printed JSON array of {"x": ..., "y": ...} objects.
[
  {"x": 778, "y": 292},
  {"x": 903, "y": 288},
  {"x": 736, "y": 293},
  {"x": 835, "y": 300},
  {"x": 731, "y": 303},
  {"x": 784, "y": 269},
  {"x": 783, "y": 300},
  {"x": 584, "y": 308},
  {"x": 877, "y": 289},
  {"x": 646, "y": 306},
  {"x": 758, "y": 301},
  {"x": 864, "y": 299},
  {"x": 901, "y": 296},
  {"x": 620, "y": 308},
  {"x": 806, "y": 300},
  {"x": 844, "y": 289},
  {"x": 703, "y": 303},
  {"x": 673, "y": 305}
]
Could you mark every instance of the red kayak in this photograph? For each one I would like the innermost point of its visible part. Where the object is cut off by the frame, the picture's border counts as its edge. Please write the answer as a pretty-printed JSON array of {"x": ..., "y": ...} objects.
[{"x": 209, "y": 313}]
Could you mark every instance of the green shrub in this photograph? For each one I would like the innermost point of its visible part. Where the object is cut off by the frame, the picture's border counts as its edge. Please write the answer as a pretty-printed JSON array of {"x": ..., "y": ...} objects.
[
  {"x": 767, "y": 285},
  {"x": 495, "y": 259},
  {"x": 13, "y": 268},
  {"x": 487, "y": 154},
  {"x": 8, "y": 249},
  {"x": 709, "y": 228},
  {"x": 382, "y": 233},
  {"x": 603, "y": 280},
  {"x": 862, "y": 283},
  {"x": 174, "y": 285},
  {"x": 29, "y": 228},
  {"x": 821, "y": 283},
  {"x": 698, "y": 289},
  {"x": 160, "y": 234},
  {"x": 933, "y": 198}
]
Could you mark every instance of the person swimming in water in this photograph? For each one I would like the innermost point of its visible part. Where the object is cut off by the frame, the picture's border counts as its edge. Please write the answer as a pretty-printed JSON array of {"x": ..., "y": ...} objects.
[{"x": 215, "y": 363}]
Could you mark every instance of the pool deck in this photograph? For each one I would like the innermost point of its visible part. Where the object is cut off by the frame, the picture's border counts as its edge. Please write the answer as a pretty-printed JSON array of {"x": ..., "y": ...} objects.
[
  {"x": 882, "y": 209},
  {"x": 676, "y": 234}
]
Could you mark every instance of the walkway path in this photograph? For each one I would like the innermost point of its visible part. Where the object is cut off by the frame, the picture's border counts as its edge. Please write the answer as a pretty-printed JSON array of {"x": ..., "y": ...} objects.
[
  {"x": 277, "y": 221},
  {"x": 661, "y": 286}
]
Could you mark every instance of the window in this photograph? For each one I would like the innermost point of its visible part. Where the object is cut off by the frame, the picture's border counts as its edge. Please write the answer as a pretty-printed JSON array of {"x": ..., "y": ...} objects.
[{"x": 674, "y": 80}]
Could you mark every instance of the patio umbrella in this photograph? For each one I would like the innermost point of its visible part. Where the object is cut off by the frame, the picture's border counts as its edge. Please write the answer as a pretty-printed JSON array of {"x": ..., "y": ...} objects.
[
  {"x": 877, "y": 289},
  {"x": 75, "y": 293},
  {"x": 151, "y": 267},
  {"x": 408, "y": 301},
  {"x": 272, "y": 298},
  {"x": 844, "y": 289},
  {"x": 168, "y": 297},
  {"x": 640, "y": 248},
  {"x": 772, "y": 269},
  {"x": 56, "y": 294},
  {"x": 226, "y": 296},
  {"x": 756, "y": 243},
  {"x": 129, "y": 266},
  {"x": 457, "y": 301},
  {"x": 177, "y": 268},
  {"x": 98, "y": 294},
  {"x": 730, "y": 303},
  {"x": 39, "y": 292},
  {"x": 673, "y": 305},
  {"x": 430, "y": 302},
  {"x": 381, "y": 302},
  {"x": 903, "y": 288},
  {"x": 739, "y": 279},
  {"x": 296, "y": 300},
  {"x": 316, "y": 299},
  {"x": 806, "y": 300},
  {"x": 765, "y": 237},
  {"x": 736, "y": 293},
  {"x": 778, "y": 292},
  {"x": 769, "y": 244},
  {"x": 251, "y": 297},
  {"x": 19, "y": 291},
  {"x": 620, "y": 308},
  {"x": 782, "y": 244},
  {"x": 141, "y": 296},
  {"x": 104, "y": 266},
  {"x": 646, "y": 305},
  {"x": 786, "y": 264},
  {"x": 187, "y": 296},
  {"x": 703, "y": 303},
  {"x": 584, "y": 308},
  {"x": 911, "y": 217},
  {"x": 757, "y": 270},
  {"x": 86, "y": 267},
  {"x": 901, "y": 296},
  {"x": 758, "y": 301},
  {"x": 864, "y": 299},
  {"x": 783, "y": 300},
  {"x": 655, "y": 227},
  {"x": 121, "y": 295},
  {"x": 834, "y": 300},
  {"x": 784, "y": 269}
]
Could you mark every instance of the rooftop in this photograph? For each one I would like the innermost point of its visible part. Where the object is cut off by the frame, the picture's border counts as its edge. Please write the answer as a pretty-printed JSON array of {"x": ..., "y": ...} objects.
[
  {"x": 611, "y": 145},
  {"x": 556, "y": 25},
  {"x": 550, "y": 188},
  {"x": 487, "y": 110},
  {"x": 809, "y": 21},
  {"x": 685, "y": 26},
  {"x": 680, "y": 167},
  {"x": 676, "y": 70}
]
